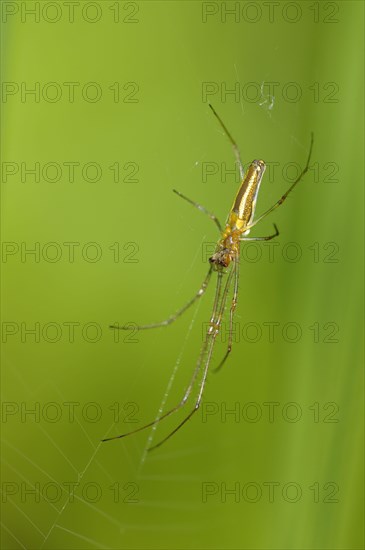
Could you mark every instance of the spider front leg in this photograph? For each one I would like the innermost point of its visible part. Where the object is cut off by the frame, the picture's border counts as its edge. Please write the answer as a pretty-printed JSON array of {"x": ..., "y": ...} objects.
[
  {"x": 176, "y": 315},
  {"x": 231, "y": 315},
  {"x": 235, "y": 296},
  {"x": 207, "y": 350},
  {"x": 188, "y": 390}
]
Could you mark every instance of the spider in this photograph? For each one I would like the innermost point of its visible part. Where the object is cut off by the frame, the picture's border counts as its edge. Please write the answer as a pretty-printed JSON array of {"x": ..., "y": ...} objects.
[{"x": 224, "y": 261}]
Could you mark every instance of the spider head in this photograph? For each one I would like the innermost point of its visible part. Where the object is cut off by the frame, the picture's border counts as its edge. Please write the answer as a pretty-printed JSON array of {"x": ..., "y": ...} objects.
[{"x": 221, "y": 259}]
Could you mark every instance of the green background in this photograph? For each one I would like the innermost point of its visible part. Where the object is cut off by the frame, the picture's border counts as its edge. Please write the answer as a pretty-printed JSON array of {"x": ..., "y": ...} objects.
[{"x": 313, "y": 441}]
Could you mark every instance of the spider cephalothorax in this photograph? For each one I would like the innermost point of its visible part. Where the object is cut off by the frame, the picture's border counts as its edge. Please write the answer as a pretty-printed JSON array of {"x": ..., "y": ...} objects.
[
  {"x": 223, "y": 256},
  {"x": 227, "y": 248}
]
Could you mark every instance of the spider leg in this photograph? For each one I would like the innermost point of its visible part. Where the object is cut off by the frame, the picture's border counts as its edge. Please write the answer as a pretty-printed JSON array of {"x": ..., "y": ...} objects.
[
  {"x": 233, "y": 143},
  {"x": 191, "y": 384},
  {"x": 211, "y": 337},
  {"x": 268, "y": 238},
  {"x": 231, "y": 315},
  {"x": 282, "y": 199},
  {"x": 176, "y": 315},
  {"x": 201, "y": 208}
]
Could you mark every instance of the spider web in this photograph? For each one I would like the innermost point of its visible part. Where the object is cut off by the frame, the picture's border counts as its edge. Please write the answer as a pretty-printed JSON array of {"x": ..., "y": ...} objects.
[
  {"x": 27, "y": 459},
  {"x": 22, "y": 461}
]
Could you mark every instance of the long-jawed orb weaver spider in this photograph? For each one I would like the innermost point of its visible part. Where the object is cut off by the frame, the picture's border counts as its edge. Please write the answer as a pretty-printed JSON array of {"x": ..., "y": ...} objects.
[{"x": 225, "y": 260}]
